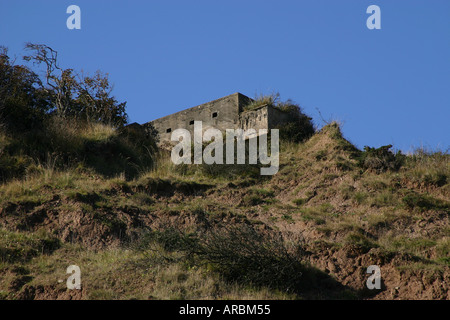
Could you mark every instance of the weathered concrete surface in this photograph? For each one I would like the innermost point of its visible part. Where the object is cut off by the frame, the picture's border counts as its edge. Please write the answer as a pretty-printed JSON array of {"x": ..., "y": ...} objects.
[{"x": 224, "y": 113}]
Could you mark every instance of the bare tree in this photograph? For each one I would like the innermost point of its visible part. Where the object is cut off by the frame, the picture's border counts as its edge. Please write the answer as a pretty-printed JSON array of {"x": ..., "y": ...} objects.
[
  {"x": 75, "y": 95},
  {"x": 61, "y": 81}
]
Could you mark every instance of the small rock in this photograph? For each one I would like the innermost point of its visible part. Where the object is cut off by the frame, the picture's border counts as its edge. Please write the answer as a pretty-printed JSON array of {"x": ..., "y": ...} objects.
[
  {"x": 394, "y": 292},
  {"x": 332, "y": 267}
]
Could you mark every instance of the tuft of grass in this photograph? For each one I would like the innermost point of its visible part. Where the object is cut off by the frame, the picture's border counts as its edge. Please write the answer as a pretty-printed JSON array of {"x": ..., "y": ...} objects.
[
  {"x": 97, "y": 132},
  {"x": 383, "y": 199},
  {"x": 300, "y": 201},
  {"x": 423, "y": 202},
  {"x": 357, "y": 238},
  {"x": 288, "y": 218},
  {"x": 252, "y": 200},
  {"x": 430, "y": 168},
  {"x": 263, "y": 192},
  {"x": 256, "y": 196},
  {"x": 360, "y": 197},
  {"x": 419, "y": 247},
  {"x": 310, "y": 214},
  {"x": 20, "y": 247},
  {"x": 443, "y": 250}
]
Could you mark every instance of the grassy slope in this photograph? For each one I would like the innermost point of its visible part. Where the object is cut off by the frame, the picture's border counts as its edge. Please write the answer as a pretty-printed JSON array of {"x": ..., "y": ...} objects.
[{"x": 343, "y": 218}]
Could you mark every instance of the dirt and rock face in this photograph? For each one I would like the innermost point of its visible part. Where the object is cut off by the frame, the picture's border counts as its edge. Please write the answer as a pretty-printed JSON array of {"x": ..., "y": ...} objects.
[{"x": 345, "y": 220}]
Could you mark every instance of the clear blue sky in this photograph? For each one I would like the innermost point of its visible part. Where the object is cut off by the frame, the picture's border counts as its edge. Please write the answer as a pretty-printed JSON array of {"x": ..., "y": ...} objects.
[{"x": 388, "y": 86}]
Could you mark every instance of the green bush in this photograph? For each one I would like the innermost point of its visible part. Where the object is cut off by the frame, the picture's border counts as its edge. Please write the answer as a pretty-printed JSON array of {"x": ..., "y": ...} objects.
[
  {"x": 23, "y": 102},
  {"x": 244, "y": 255},
  {"x": 381, "y": 159},
  {"x": 239, "y": 253}
]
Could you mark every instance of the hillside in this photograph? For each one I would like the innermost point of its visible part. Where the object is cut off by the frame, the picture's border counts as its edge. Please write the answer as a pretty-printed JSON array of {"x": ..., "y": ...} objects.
[{"x": 308, "y": 232}]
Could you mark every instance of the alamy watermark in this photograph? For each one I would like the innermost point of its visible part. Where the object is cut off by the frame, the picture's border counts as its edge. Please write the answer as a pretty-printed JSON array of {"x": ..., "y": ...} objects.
[
  {"x": 74, "y": 20},
  {"x": 374, "y": 281},
  {"x": 374, "y": 21},
  {"x": 213, "y": 152},
  {"x": 74, "y": 280}
]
